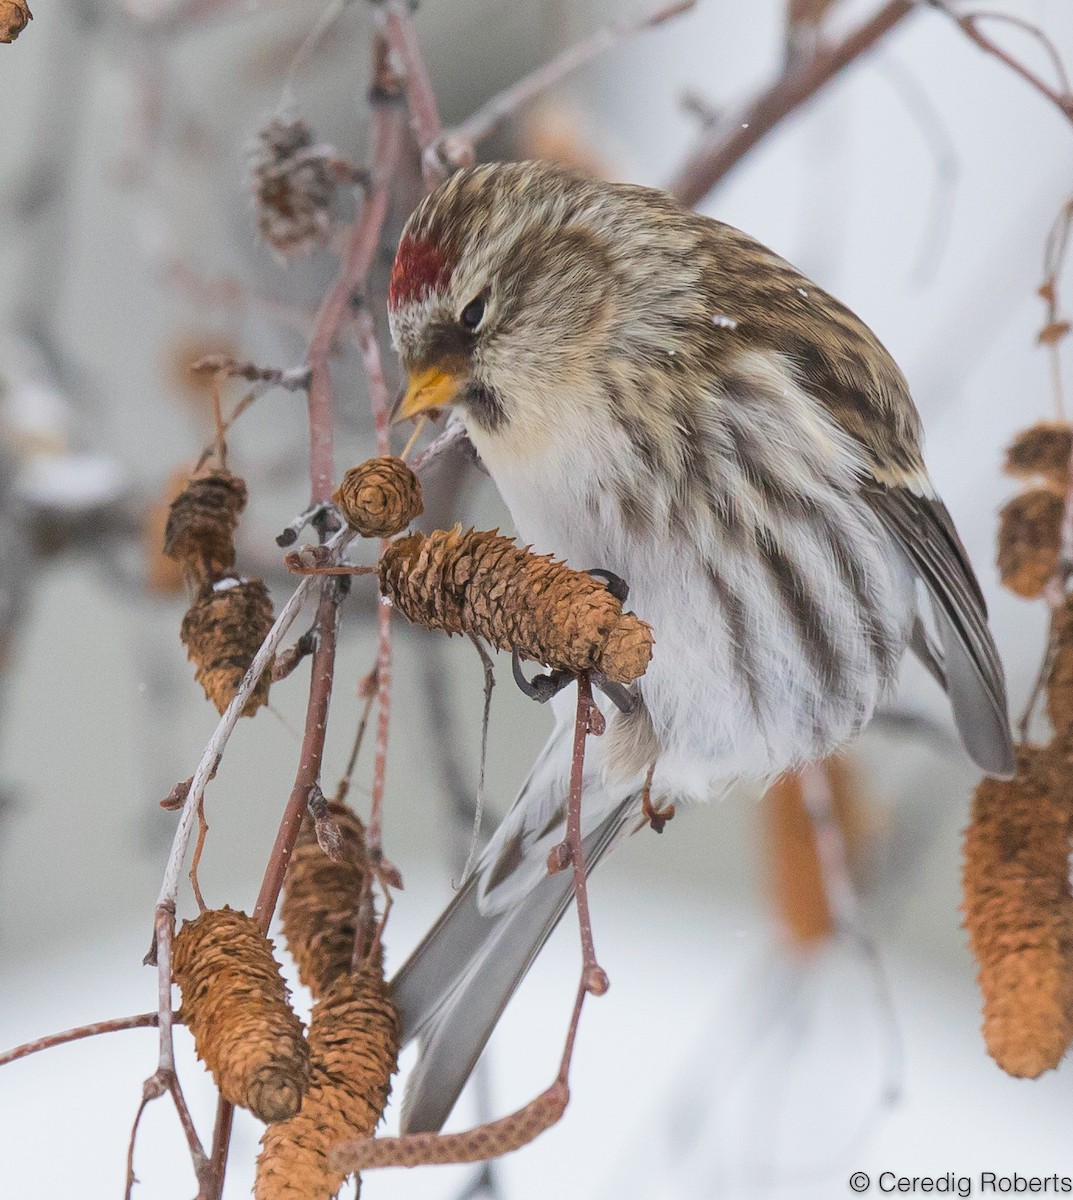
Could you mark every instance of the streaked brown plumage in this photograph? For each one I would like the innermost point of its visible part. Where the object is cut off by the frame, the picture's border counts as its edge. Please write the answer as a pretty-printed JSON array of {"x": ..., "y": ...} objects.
[{"x": 659, "y": 395}]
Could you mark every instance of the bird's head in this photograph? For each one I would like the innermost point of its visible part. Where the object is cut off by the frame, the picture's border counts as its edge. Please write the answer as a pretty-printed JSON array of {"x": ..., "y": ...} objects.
[{"x": 502, "y": 297}]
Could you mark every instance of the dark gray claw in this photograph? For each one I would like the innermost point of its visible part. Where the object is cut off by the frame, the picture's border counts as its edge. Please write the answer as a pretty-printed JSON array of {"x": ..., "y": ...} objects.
[
  {"x": 619, "y": 694},
  {"x": 616, "y": 585},
  {"x": 542, "y": 687}
]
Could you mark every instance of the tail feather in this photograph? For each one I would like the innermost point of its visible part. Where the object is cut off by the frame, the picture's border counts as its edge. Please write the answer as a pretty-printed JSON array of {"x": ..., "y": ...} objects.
[{"x": 452, "y": 998}]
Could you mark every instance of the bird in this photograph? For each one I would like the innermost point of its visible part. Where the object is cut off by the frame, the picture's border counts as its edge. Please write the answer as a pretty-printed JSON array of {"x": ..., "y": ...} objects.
[{"x": 658, "y": 396}]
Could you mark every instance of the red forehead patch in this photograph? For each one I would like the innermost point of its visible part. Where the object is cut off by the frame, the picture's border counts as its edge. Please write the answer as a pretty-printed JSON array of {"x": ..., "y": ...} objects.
[{"x": 419, "y": 268}]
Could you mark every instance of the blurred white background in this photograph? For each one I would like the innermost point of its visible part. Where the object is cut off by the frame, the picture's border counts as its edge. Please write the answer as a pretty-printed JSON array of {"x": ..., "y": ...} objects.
[{"x": 918, "y": 188}]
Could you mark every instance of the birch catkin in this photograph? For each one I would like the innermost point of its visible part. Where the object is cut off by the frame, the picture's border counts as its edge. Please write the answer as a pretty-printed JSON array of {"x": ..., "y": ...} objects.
[
  {"x": 483, "y": 584},
  {"x": 1028, "y": 540},
  {"x": 222, "y": 631},
  {"x": 200, "y": 530},
  {"x": 1060, "y": 671},
  {"x": 322, "y": 897},
  {"x": 235, "y": 1004},
  {"x": 1040, "y": 455},
  {"x": 1019, "y": 912},
  {"x": 354, "y": 1046}
]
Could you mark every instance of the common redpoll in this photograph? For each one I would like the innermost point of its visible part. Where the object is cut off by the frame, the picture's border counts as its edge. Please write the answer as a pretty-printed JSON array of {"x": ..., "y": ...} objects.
[{"x": 657, "y": 395}]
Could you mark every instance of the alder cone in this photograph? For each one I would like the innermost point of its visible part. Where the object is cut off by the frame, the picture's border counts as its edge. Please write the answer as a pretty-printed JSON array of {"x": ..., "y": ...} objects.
[
  {"x": 15, "y": 15},
  {"x": 480, "y": 583},
  {"x": 380, "y": 497},
  {"x": 235, "y": 1004},
  {"x": 222, "y": 631},
  {"x": 293, "y": 188},
  {"x": 1040, "y": 454},
  {"x": 354, "y": 1046},
  {"x": 200, "y": 530},
  {"x": 1029, "y": 536},
  {"x": 1060, "y": 672},
  {"x": 1019, "y": 912},
  {"x": 164, "y": 576},
  {"x": 321, "y": 900}
]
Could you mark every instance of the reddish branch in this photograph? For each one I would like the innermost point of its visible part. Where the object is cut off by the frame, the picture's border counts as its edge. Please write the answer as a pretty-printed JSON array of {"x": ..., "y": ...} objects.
[
  {"x": 141, "y": 1021},
  {"x": 969, "y": 24},
  {"x": 724, "y": 147},
  {"x": 518, "y": 1128},
  {"x": 346, "y": 292}
]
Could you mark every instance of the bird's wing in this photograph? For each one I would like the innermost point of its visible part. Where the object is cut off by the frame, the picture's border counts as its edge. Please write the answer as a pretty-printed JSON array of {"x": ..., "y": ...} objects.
[
  {"x": 974, "y": 681},
  {"x": 845, "y": 367}
]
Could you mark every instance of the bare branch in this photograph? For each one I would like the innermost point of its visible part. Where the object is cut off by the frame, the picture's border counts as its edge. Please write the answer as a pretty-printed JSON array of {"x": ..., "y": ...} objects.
[
  {"x": 486, "y": 119},
  {"x": 722, "y": 149}
]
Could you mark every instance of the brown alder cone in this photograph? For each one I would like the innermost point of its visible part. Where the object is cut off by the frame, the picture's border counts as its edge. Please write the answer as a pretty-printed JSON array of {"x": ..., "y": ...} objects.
[
  {"x": 483, "y": 584},
  {"x": 794, "y": 868},
  {"x": 354, "y": 1047},
  {"x": 1040, "y": 455},
  {"x": 1019, "y": 913},
  {"x": 380, "y": 497},
  {"x": 1029, "y": 537},
  {"x": 235, "y": 1004},
  {"x": 201, "y": 526},
  {"x": 222, "y": 631},
  {"x": 293, "y": 188},
  {"x": 163, "y": 575},
  {"x": 1060, "y": 673},
  {"x": 321, "y": 899},
  {"x": 15, "y": 15}
]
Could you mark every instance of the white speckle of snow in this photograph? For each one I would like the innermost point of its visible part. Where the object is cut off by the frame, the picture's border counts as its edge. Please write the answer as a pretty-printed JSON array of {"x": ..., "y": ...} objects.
[
  {"x": 745, "y": 124},
  {"x": 720, "y": 321},
  {"x": 225, "y": 585},
  {"x": 802, "y": 292},
  {"x": 672, "y": 353}
]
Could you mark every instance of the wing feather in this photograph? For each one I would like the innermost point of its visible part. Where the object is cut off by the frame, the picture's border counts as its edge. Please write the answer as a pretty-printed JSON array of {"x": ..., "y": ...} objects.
[{"x": 974, "y": 679}]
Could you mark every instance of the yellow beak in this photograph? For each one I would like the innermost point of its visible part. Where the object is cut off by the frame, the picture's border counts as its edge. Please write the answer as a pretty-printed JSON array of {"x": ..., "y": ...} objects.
[{"x": 430, "y": 388}]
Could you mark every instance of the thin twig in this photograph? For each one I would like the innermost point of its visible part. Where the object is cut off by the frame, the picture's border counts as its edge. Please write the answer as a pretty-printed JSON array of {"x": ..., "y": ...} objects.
[
  {"x": 521, "y": 1127},
  {"x": 969, "y": 24},
  {"x": 488, "y": 117},
  {"x": 380, "y": 400},
  {"x": 719, "y": 151},
  {"x": 366, "y": 692},
  {"x": 478, "y": 808},
  {"x": 141, "y": 1021},
  {"x": 164, "y": 1079}
]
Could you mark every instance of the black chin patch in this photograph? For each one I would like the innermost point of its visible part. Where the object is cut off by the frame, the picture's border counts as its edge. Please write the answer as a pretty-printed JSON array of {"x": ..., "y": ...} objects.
[{"x": 485, "y": 406}]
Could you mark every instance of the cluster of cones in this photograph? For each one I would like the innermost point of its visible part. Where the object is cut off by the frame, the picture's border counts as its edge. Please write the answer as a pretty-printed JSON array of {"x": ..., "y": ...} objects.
[
  {"x": 1017, "y": 901},
  {"x": 313, "y": 1089},
  {"x": 230, "y": 616},
  {"x": 479, "y": 583}
]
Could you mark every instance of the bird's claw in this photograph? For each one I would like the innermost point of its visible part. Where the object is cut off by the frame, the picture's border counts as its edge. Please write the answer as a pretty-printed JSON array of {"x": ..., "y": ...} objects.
[
  {"x": 622, "y": 697},
  {"x": 540, "y": 688},
  {"x": 616, "y": 585}
]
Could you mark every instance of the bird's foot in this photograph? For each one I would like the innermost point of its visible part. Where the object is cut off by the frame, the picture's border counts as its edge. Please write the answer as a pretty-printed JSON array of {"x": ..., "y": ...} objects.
[
  {"x": 540, "y": 688},
  {"x": 616, "y": 585}
]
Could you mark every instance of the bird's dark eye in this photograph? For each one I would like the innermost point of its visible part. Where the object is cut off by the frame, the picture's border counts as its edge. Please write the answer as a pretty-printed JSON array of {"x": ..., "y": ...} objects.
[{"x": 473, "y": 314}]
